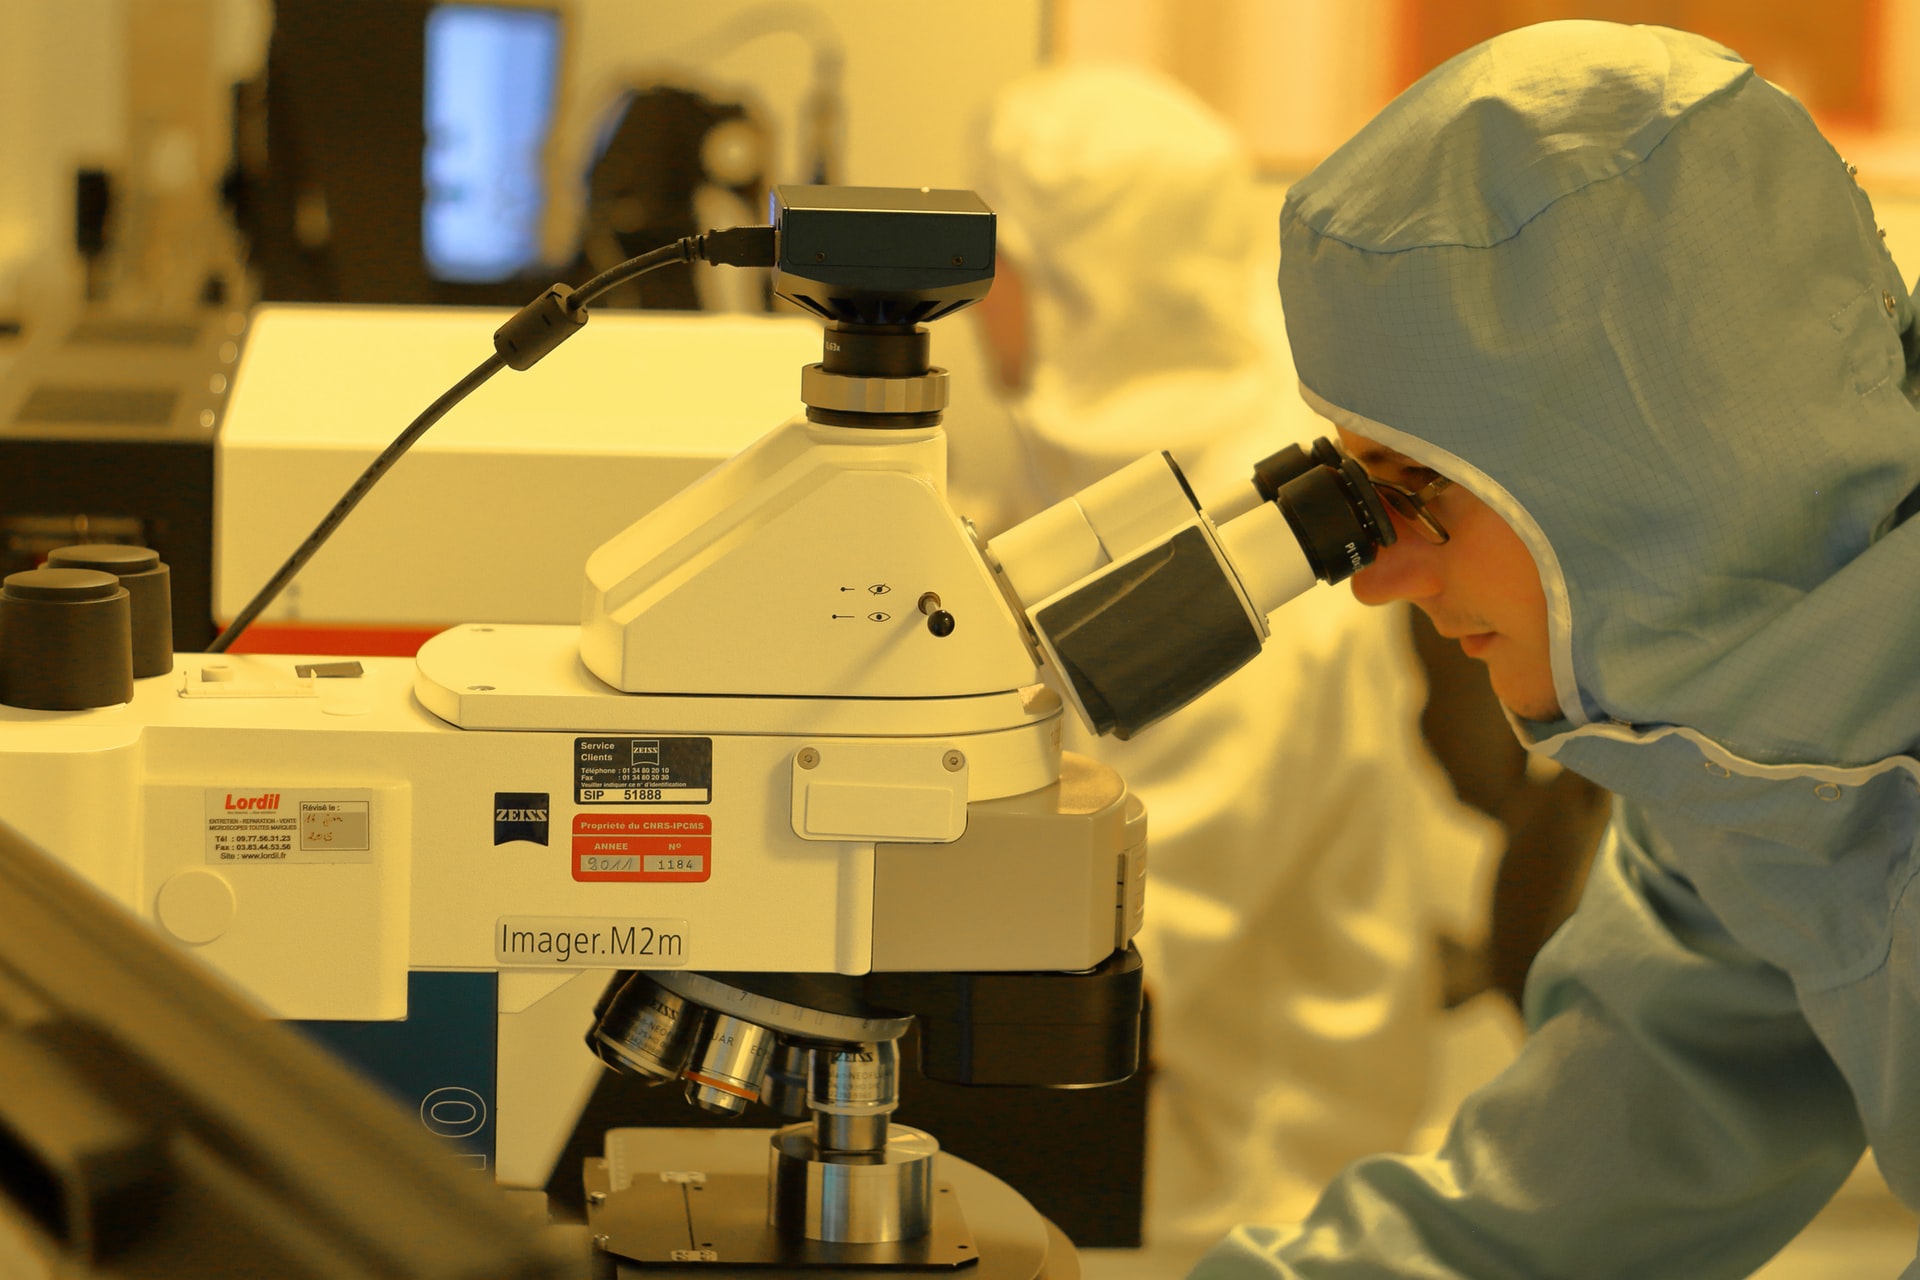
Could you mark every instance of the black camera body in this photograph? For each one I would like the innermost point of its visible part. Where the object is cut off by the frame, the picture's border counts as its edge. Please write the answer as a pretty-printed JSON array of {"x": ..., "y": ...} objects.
[{"x": 881, "y": 257}]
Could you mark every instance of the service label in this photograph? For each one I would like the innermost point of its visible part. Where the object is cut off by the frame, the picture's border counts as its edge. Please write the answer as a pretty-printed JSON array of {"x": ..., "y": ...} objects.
[
  {"x": 307, "y": 825},
  {"x": 643, "y": 770}
]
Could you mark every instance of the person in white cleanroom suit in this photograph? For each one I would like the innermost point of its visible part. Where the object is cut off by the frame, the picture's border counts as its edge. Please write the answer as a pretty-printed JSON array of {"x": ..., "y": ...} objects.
[
  {"x": 1292, "y": 810},
  {"x": 1618, "y": 290}
]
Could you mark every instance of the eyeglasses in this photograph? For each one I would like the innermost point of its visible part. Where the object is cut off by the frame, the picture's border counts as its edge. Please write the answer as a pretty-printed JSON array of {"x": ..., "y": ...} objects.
[{"x": 1411, "y": 505}]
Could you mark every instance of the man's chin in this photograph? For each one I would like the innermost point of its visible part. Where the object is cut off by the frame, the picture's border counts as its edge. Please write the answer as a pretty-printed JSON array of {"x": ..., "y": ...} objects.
[{"x": 1527, "y": 703}]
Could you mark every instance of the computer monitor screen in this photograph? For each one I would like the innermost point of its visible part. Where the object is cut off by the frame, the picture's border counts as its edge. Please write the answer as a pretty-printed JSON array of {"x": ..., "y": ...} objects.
[{"x": 491, "y": 73}]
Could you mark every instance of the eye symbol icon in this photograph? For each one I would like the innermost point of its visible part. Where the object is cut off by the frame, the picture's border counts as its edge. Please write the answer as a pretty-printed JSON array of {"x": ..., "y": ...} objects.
[
  {"x": 879, "y": 617},
  {"x": 879, "y": 589}
]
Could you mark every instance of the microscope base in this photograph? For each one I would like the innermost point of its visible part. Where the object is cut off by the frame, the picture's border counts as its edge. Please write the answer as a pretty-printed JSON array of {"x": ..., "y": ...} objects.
[{"x": 655, "y": 1224}]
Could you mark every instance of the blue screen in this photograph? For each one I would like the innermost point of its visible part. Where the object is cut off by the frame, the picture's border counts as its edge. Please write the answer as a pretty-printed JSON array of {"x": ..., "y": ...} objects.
[{"x": 490, "y": 77}]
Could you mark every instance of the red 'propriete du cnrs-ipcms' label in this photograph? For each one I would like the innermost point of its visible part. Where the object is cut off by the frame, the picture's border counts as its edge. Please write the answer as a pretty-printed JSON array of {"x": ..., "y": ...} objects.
[{"x": 670, "y": 847}]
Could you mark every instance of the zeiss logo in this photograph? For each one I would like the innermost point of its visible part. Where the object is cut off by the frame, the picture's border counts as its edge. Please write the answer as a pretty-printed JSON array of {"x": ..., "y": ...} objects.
[{"x": 519, "y": 815}]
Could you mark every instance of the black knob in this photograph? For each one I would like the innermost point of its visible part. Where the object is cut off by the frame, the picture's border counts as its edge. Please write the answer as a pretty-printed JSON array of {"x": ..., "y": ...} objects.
[
  {"x": 148, "y": 585},
  {"x": 66, "y": 640},
  {"x": 939, "y": 621}
]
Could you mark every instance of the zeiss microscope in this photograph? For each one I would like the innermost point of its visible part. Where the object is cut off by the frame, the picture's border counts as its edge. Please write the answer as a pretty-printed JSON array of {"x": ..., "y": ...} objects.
[{"x": 796, "y": 778}]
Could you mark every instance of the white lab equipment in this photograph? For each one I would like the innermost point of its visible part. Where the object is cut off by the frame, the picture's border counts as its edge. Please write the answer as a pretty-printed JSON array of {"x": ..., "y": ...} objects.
[{"x": 521, "y": 479}]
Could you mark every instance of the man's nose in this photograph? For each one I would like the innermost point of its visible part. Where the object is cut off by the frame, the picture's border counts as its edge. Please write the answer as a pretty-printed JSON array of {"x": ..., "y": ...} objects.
[{"x": 1407, "y": 570}]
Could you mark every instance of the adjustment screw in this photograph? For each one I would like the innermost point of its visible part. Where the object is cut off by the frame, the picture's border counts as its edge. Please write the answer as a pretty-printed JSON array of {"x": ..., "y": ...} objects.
[
  {"x": 596, "y": 1197},
  {"x": 954, "y": 761},
  {"x": 808, "y": 758}
]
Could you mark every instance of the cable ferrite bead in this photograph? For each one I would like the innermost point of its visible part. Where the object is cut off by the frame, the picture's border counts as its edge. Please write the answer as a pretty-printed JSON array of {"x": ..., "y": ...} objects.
[{"x": 538, "y": 328}]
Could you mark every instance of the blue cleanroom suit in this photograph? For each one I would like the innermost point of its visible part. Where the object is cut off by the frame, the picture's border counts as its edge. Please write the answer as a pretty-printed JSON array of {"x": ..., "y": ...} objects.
[{"x": 1619, "y": 287}]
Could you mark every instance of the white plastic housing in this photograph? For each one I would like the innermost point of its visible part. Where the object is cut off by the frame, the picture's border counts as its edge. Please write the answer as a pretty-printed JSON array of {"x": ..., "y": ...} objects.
[
  {"x": 1261, "y": 547},
  {"x": 169, "y": 804},
  {"x": 1113, "y": 519},
  {"x": 487, "y": 518},
  {"x": 797, "y": 570}
]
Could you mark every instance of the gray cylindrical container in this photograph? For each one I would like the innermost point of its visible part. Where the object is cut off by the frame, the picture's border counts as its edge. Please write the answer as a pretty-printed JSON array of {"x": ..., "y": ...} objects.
[
  {"x": 66, "y": 640},
  {"x": 147, "y": 581}
]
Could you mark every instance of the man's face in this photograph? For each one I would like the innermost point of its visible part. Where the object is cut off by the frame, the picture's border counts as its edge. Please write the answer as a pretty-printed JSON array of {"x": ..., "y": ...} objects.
[{"x": 1481, "y": 587}]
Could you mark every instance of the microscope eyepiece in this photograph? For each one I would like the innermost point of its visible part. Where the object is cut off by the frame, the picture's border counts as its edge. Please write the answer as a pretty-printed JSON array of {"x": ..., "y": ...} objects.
[
  {"x": 1337, "y": 517},
  {"x": 1143, "y": 600}
]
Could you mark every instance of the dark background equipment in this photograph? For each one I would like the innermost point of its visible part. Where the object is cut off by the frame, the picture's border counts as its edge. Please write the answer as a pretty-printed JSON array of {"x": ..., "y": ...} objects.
[{"x": 107, "y": 434}]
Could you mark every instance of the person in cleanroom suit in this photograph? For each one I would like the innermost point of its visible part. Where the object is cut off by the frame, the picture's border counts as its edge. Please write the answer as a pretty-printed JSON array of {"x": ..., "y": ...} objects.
[
  {"x": 1617, "y": 289},
  {"x": 1292, "y": 810}
]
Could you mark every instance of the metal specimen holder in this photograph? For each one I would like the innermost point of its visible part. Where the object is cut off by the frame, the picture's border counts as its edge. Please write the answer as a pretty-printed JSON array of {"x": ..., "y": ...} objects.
[{"x": 844, "y": 1188}]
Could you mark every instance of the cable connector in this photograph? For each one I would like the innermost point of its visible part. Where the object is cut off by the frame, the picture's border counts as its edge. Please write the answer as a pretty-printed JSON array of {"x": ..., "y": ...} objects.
[
  {"x": 560, "y": 312},
  {"x": 539, "y": 327},
  {"x": 737, "y": 247}
]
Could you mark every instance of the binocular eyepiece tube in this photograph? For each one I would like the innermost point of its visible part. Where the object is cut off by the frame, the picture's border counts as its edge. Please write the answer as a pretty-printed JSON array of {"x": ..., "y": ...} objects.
[{"x": 1142, "y": 600}]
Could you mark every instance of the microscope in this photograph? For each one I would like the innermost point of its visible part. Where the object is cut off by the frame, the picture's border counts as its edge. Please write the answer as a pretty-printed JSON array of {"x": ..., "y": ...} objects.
[{"x": 795, "y": 779}]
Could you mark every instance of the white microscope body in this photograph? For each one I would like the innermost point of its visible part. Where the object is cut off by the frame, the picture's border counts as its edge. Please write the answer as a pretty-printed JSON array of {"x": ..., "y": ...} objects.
[{"x": 803, "y": 729}]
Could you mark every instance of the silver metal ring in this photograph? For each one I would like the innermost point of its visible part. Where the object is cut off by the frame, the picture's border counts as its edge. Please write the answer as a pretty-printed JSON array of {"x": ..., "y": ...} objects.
[
  {"x": 822, "y": 390},
  {"x": 777, "y": 1015}
]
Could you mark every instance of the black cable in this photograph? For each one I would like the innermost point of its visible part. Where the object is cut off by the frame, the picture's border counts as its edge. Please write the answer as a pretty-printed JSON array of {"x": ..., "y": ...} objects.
[
  {"x": 351, "y": 499},
  {"x": 534, "y": 330},
  {"x": 733, "y": 247},
  {"x": 685, "y": 249}
]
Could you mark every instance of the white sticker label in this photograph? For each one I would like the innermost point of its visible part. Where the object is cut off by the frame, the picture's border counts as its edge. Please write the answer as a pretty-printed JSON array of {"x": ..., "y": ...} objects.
[
  {"x": 307, "y": 825},
  {"x": 593, "y": 942}
]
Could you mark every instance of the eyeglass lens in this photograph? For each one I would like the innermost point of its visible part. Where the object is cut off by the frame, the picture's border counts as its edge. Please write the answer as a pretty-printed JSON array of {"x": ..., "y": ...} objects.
[{"x": 1412, "y": 509}]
